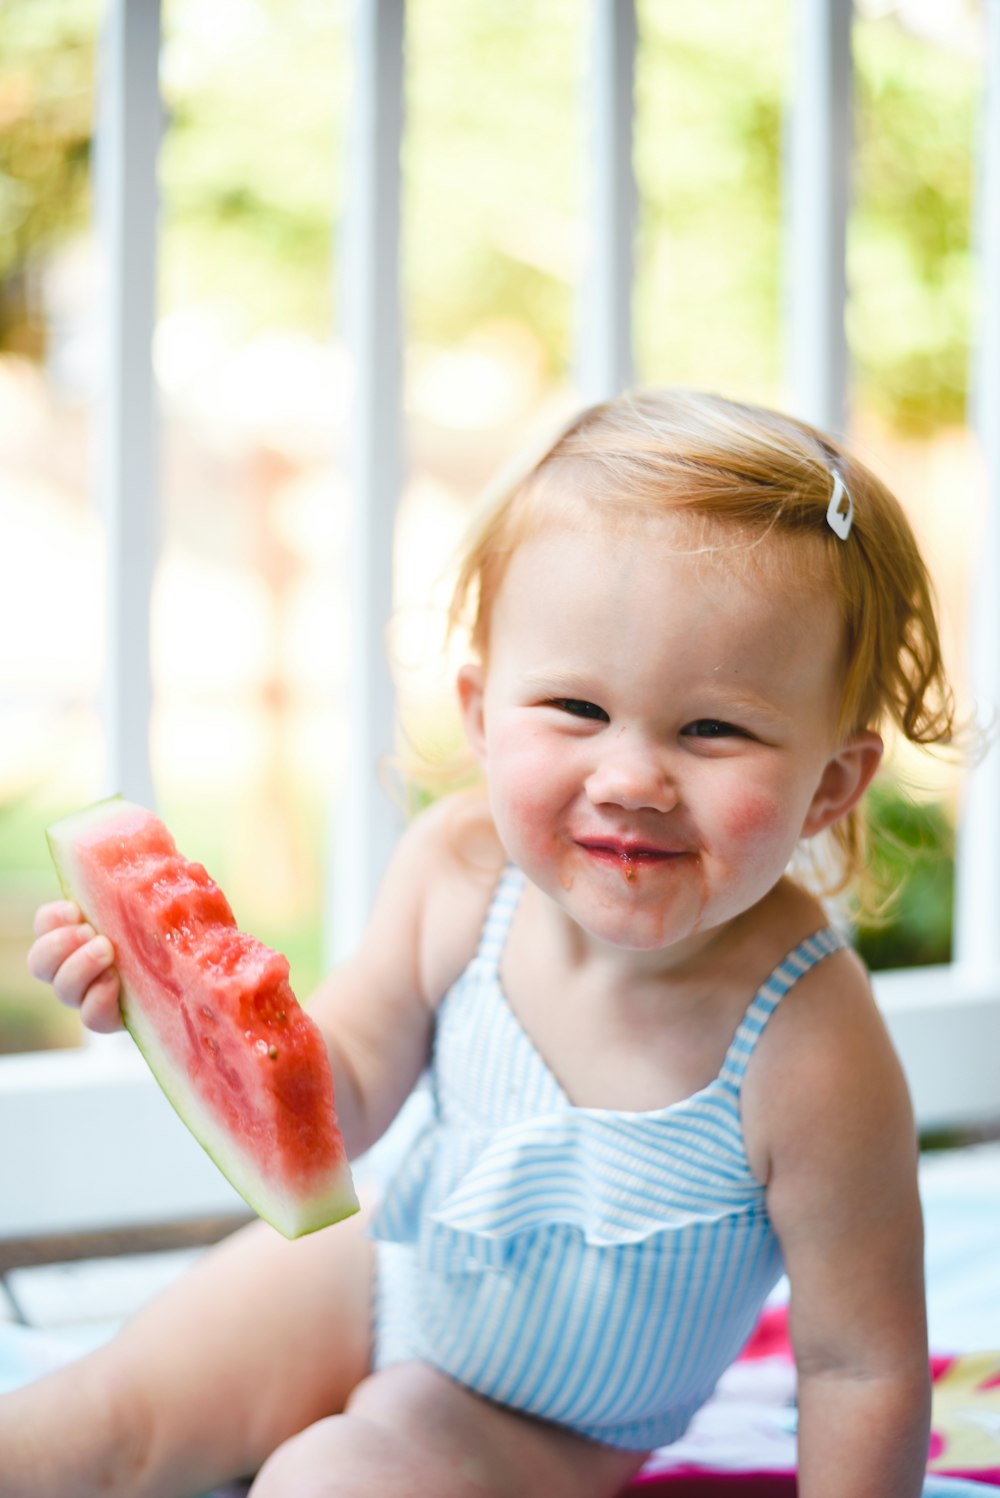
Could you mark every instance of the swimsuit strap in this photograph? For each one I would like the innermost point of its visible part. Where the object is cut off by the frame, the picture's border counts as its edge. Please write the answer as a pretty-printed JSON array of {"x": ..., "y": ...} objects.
[
  {"x": 800, "y": 961},
  {"x": 769, "y": 995},
  {"x": 499, "y": 916}
]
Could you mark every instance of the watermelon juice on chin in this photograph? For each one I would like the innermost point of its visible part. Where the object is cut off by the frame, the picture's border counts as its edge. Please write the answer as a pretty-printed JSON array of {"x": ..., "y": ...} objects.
[{"x": 213, "y": 1013}]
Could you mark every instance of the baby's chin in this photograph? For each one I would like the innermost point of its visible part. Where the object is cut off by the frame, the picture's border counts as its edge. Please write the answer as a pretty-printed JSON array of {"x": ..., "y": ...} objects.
[{"x": 613, "y": 925}]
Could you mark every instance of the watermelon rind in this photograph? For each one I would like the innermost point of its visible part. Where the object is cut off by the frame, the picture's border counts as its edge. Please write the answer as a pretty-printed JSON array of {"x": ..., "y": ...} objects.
[{"x": 293, "y": 1213}]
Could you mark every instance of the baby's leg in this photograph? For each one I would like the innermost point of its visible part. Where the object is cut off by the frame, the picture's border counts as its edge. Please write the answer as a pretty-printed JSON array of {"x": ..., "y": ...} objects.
[
  {"x": 413, "y": 1431},
  {"x": 262, "y": 1338}
]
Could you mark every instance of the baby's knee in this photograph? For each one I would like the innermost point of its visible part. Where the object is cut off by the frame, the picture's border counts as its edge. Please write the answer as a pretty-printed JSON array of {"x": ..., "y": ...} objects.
[
  {"x": 344, "y": 1456},
  {"x": 300, "y": 1465}
]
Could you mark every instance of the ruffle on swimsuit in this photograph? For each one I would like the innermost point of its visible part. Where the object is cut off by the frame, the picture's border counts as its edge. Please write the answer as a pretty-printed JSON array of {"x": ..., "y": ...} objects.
[{"x": 580, "y": 1169}]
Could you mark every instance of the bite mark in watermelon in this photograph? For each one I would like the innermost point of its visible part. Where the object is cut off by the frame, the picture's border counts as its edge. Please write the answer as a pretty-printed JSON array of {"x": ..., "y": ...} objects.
[{"x": 212, "y": 1011}]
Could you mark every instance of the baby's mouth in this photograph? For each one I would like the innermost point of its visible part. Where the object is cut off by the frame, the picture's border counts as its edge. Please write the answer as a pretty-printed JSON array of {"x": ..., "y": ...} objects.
[{"x": 628, "y": 854}]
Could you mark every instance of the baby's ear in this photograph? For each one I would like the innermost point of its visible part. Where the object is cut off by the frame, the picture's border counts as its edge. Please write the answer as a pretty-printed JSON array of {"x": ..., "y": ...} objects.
[
  {"x": 470, "y": 684},
  {"x": 846, "y": 776}
]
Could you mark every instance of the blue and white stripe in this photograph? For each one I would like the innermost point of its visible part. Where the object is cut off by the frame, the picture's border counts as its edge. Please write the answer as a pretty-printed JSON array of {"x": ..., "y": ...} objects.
[{"x": 590, "y": 1266}]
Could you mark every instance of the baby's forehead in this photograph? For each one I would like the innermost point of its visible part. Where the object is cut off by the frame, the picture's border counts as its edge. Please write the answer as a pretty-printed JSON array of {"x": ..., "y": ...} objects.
[
  {"x": 755, "y": 555},
  {"x": 671, "y": 606}
]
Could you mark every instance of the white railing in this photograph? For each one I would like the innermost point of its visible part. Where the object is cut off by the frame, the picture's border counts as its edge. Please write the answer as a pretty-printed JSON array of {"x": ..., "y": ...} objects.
[
  {"x": 818, "y": 155},
  {"x": 97, "y": 1144},
  {"x": 366, "y": 822},
  {"x": 604, "y": 347},
  {"x": 129, "y": 129}
]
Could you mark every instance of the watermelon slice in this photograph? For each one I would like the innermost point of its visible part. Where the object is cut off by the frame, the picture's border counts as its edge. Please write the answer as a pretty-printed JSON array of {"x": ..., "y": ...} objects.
[{"x": 211, "y": 1010}]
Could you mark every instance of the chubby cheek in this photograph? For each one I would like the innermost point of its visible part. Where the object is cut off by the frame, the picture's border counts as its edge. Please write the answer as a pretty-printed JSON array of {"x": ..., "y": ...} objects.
[
  {"x": 751, "y": 814},
  {"x": 524, "y": 796},
  {"x": 755, "y": 823}
]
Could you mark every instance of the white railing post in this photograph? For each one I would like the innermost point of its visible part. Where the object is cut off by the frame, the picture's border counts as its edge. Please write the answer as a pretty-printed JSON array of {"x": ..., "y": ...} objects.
[
  {"x": 977, "y": 893},
  {"x": 604, "y": 359},
  {"x": 129, "y": 129},
  {"x": 818, "y": 150},
  {"x": 365, "y": 823}
]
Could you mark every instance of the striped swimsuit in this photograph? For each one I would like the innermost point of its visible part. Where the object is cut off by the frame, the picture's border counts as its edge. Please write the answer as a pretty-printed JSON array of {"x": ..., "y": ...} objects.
[{"x": 589, "y": 1266}]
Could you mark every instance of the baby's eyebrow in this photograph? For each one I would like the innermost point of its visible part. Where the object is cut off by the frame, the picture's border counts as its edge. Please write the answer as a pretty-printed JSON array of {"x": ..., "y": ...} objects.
[
  {"x": 738, "y": 696},
  {"x": 736, "y": 703},
  {"x": 566, "y": 680}
]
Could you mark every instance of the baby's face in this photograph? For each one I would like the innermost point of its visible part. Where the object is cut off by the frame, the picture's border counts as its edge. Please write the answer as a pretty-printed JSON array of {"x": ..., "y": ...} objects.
[{"x": 658, "y": 729}]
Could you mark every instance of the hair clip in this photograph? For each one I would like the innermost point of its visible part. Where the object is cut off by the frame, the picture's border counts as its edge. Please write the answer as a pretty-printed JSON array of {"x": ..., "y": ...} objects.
[{"x": 840, "y": 510}]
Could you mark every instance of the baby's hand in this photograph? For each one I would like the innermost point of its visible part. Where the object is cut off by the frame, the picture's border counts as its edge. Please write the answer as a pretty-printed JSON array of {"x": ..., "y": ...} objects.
[{"x": 68, "y": 953}]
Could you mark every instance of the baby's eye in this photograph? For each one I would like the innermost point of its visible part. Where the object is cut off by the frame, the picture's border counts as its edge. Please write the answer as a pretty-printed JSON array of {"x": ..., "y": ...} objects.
[
  {"x": 579, "y": 709},
  {"x": 713, "y": 728}
]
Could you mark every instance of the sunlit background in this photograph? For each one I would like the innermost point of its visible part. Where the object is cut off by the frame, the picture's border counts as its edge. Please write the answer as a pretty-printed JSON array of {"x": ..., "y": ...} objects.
[{"x": 249, "y": 623}]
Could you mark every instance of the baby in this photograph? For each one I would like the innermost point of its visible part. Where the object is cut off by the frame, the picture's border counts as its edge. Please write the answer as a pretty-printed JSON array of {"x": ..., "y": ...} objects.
[{"x": 658, "y": 1077}]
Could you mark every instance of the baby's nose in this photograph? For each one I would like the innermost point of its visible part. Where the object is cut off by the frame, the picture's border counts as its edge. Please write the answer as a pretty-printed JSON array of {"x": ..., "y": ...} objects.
[{"x": 634, "y": 777}]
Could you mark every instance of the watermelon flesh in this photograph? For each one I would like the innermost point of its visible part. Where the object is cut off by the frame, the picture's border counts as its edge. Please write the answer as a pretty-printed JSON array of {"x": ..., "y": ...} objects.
[{"x": 212, "y": 1012}]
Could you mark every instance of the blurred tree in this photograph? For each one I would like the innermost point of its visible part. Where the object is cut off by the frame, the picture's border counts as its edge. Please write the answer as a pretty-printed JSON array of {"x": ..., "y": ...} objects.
[
  {"x": 251, "y": 168},
  {"x": 909, "y": 261},
  {"x": 713, "y": 87},
  {"x": 46, "y": 103},
  {"x": 711, "y": 91},
  {"x": 252, "y": 176},
  {"x": 494, "y": 162}
]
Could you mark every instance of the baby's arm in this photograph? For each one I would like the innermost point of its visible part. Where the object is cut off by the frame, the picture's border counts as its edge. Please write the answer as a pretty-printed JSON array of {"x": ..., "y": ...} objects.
[
  {"x": 376, "y": 1010},
  {"x": 842, "y": 1194}
]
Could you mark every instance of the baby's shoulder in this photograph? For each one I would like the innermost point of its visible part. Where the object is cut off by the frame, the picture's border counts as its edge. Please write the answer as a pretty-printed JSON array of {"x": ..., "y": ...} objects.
[
  {"x": 820, "y": 987},
  {"x": 824, "y": 1058},
  {"x": 456, "y": 858}
]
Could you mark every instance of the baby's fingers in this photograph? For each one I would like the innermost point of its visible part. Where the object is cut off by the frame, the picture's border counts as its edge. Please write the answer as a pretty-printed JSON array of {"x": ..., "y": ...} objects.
[
  {"x": 88, "y": 982},
  {"x": 55, "y": 944},
  {"x": 73, "y": 960},
  {"x": 100, "y": 1009},
  {"x": 82, "y": 969},
  {"x": 57, "y": 913}
]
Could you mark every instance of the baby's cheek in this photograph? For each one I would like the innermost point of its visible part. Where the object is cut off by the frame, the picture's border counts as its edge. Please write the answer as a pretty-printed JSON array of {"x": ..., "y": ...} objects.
[
  {"x": 752, "y": 817},
  {"x": 521, "y": 794},
  {"x": 524, "y": 814}
]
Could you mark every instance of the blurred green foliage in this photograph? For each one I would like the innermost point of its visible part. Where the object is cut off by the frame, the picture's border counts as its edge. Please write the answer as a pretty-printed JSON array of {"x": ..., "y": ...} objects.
[
  {"x": 254, "y": 160},
  {"x": 909, "y": 258},
  {"x": 46, "y": 115},
  {"x": 712, "y": 89},
  {"x": 913, "y": 860},
  {"x": 251, "y": 171},
  {"x": 493, "y": 155}
]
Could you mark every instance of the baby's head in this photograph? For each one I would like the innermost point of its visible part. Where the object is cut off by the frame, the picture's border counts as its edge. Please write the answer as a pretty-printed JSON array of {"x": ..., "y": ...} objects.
[{"x": 756, "y": 487}]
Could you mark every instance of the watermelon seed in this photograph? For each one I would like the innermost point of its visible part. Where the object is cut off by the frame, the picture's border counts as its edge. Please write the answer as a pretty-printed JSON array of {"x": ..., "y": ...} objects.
[
  {"x": 281, "y": 1016},
  {"x": 272, "y": 1051}
]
